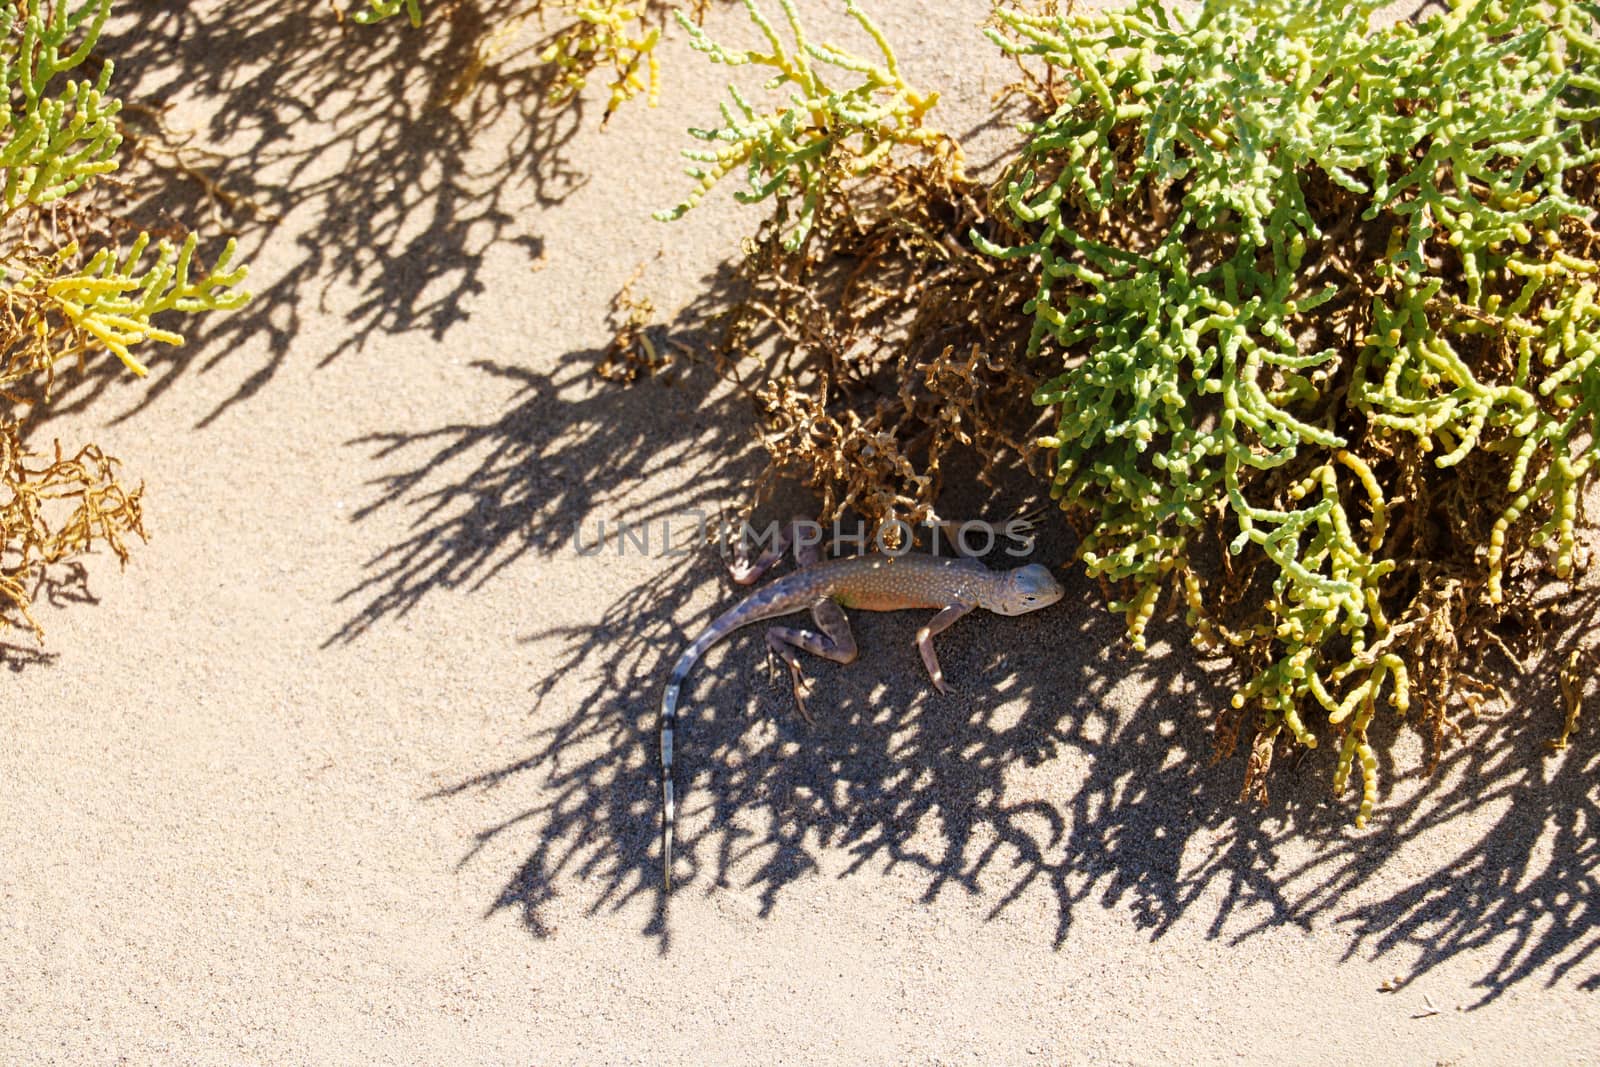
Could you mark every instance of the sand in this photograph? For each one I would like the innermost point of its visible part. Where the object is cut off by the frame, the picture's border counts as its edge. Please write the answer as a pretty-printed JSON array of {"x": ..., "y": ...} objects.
[{"x": 355, "y": 761}]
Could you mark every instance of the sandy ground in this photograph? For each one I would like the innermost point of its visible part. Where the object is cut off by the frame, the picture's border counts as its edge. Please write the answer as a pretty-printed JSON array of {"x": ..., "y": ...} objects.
[{"x": 355, "y": 763}]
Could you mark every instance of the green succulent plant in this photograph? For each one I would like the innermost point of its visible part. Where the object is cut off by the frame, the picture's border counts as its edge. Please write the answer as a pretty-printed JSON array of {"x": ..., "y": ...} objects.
[
  {"x": 824, "y": 134},
  {"x": 1302, "y": 276}
]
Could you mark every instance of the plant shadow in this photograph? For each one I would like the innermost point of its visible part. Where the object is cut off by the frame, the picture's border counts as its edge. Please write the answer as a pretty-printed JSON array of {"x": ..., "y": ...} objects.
[
  {"x": 1523, "y": 893},
  {"x": 532, "y": 477},
  {"x": 960, "y": 788},
  {"x": 18, "y": 658},
  {"x": 374, "y": 139},
  {"x": 1063, "y": 763}
]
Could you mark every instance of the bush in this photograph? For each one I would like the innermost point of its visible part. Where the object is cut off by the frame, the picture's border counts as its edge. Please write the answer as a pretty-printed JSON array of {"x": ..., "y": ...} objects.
[{"x": 1325, "y": 292}]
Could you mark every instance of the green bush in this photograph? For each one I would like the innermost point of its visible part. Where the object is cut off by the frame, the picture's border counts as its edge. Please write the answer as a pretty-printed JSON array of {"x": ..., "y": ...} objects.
[{"x": 1325, "y": 290}]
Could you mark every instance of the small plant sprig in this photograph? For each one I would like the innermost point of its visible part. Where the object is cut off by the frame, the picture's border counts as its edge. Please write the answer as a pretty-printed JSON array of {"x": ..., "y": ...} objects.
[
  {"x": 112, "y": 303},
  {"x": 53, "y": 141},
  {"x": 604, "y": 35},
  {"x": 1326, "y": 291},
  {"x": 98, "y": 510},
  {"x": 822, "y": 137},
  {"x": 612, "y": 35},
  {"x": 378, "y": 10}
]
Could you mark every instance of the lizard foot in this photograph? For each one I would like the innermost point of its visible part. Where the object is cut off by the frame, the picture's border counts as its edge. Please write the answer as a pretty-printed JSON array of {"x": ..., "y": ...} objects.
[
  {"x": 802, "y": 689},
  {"x": 772, "y": 668}
]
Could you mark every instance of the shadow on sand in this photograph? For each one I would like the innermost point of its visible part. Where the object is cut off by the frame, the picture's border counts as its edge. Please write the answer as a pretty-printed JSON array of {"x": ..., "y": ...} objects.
[
  {"x": 368, "y": 135},
  {"x": 896, "y": 776},
  {"x": 565, "y": 448},
  {"x": 968, "y": 790}
]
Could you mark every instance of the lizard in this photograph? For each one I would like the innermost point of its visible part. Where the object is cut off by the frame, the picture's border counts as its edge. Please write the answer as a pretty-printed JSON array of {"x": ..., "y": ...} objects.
[{"x": 955, "y": 585}]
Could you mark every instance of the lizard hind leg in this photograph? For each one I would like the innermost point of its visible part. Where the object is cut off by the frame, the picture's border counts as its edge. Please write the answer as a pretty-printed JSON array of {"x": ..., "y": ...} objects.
[{"x": 834, "y": 642}]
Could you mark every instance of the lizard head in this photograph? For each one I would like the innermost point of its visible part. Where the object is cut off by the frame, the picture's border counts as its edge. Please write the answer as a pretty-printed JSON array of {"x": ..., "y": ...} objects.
[{"x": 1027, "y": 589}]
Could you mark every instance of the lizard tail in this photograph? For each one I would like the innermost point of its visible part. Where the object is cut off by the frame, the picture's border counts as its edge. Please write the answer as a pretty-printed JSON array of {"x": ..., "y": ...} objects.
[
  {"x": 669, "y": 728},
  {"x": 763, "y": 605},
  {"x": 669, "y": 810}
]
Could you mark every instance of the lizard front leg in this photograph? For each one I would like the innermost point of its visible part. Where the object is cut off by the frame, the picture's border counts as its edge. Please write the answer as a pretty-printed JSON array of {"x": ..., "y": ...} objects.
[
  {"x": 835, "y": 642},
  {"x": 938, "y": 624}
]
